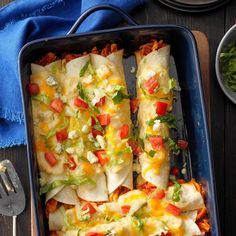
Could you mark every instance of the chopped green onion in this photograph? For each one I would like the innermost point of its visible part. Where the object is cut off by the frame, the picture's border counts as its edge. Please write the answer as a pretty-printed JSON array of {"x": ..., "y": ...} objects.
[
  {"x": 84, "y": 69},
  {"x": 91, "y": 70},
  {"x": 57, "y": 183},
  {"x": 114, "y": 161},
  {"x": 139, "y": 223},
  {"x": 177, "y": 191},
  {"x": 53, "y": 131},
  {"x": 42, "y": 98},
  {"x": 126, "y": 150}
]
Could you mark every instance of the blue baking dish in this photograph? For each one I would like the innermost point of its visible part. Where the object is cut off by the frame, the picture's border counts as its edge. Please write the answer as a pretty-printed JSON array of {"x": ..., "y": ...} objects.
[{"x": 184, "y": 53}]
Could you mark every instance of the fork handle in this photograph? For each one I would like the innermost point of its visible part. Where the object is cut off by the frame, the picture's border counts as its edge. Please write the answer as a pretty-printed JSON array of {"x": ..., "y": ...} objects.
[{"x": 14, "y": 226}]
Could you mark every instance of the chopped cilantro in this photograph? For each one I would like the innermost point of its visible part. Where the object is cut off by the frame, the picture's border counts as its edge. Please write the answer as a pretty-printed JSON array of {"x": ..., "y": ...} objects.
[
  {"x": 97, "y": 125},
  {"x": 169, "y": 119},
  {"x": 119, "y": 95},
  {"x": 152, "y": 153},
  {"x": 141, "y": 142},
  {"x": 85, "y": 97},
  {"x": 172, "y": 145}
]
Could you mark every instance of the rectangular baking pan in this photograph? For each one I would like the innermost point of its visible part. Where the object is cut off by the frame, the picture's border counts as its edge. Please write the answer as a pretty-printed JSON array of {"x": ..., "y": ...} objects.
[{"x": 190, "y": 110}]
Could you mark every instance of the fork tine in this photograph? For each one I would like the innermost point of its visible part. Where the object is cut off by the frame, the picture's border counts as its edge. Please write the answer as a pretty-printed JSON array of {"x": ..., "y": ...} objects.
[
  {"x": 13, "y": 176},
  {"x": 2, "y": 191},
  {"x": 7, "y": 183}
]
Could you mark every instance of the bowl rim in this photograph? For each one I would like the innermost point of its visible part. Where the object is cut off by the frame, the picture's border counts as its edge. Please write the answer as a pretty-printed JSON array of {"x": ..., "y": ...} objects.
[{"x": 217, "y": 64}]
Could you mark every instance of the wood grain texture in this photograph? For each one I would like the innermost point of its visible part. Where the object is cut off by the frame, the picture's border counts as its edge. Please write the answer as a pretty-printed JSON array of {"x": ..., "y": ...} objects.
[{"x": 229, "y": 142}]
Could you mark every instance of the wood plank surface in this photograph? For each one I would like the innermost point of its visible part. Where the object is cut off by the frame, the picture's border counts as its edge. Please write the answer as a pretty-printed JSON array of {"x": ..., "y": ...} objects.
[
  {"x": 223, "y": 112},
  {"x": 229, "y": 143}
]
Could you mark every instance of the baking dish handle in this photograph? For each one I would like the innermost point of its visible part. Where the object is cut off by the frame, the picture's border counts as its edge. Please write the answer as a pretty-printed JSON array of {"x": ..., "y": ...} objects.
[{"x": 88, "y": 12}]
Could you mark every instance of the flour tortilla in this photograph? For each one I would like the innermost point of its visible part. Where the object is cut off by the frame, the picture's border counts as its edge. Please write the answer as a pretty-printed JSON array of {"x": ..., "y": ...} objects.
[
  {"x": 156, "y": 62},
  {"x": 124, "y": 178},
  {"x": 190, "y": 198},
  {"x": 97, "y": 193}
]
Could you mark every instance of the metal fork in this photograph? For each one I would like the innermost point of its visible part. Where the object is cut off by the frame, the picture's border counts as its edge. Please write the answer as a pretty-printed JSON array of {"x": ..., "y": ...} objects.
[{"x": 12, "y": 196}]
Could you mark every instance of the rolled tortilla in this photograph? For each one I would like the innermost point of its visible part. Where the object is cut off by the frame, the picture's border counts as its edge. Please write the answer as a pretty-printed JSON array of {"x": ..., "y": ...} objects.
[
  {"x": 55, "y": 191},
  {"x": 156, "y": 64},
  {"x": 67, "y": 196},
  {"x": 97, "y": 193},
  {"x": 190, "y": 198},
  {"x": 120, "y": 173},
  {"x": 123, "y": 177},
  {"x": 56, "y": 219},
  {"x": 124, "y": 226},
  {"x": 73, "y": 69}
]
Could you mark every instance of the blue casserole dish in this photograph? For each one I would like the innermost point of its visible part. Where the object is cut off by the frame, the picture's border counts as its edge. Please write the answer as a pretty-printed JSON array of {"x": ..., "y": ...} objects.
[{"x": 184, "y": 53}]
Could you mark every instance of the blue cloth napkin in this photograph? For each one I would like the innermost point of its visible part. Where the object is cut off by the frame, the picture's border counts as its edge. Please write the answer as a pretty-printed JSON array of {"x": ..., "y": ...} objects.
[{"x": 26, "y": 20}]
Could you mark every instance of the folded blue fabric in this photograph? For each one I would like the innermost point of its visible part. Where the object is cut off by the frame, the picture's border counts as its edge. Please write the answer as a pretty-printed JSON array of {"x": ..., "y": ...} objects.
[{"x": 23, "y": 21}]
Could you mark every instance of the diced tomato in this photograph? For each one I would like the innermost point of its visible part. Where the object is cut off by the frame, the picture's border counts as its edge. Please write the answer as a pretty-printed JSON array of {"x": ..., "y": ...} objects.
[
  {"x": 53, "y": 233},
  {"x": 183, "y": 144},
  {"x": 71, "y": 164},
  {"x": 89, "y": 207},
  {"x": 151, "y": 84},
  {"x": 125, "y": 209},
  {"x": 101, "y": 157},
  {"x": 157, "y": 142},
  {"x": 61, "y": 135},
  {"x": 57, "y": 105},
  {"x": 93, "y": 121},
  {"x": 161, "y": 194},
  {"x": 101, "y": 102},
  {"x": 166, "y": 234},
  {"x": 67, "y": 206},
  {"x": 104, "y": 119},
  {"x": 96, "y": 132},
  {"x": 136, "y": 149},
  {"x": 124, "y": 131},
  {"x": 33, "y": 89},
  {"x": 134, "y": 104},
  {"x": 174, "y": 171},
  {"x": 80, "y": 103},
  {"x": 94, "y": 234},
  {"x": 51, "y": 205},
  {"x": 50, "y": 158},
  {"x": 174, "y": 210},
  {"x": 161, "y": 108}
]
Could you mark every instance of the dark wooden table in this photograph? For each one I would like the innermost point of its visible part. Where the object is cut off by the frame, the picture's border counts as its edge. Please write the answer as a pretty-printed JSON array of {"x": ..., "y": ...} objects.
[{"x": 223, "y": 114}]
